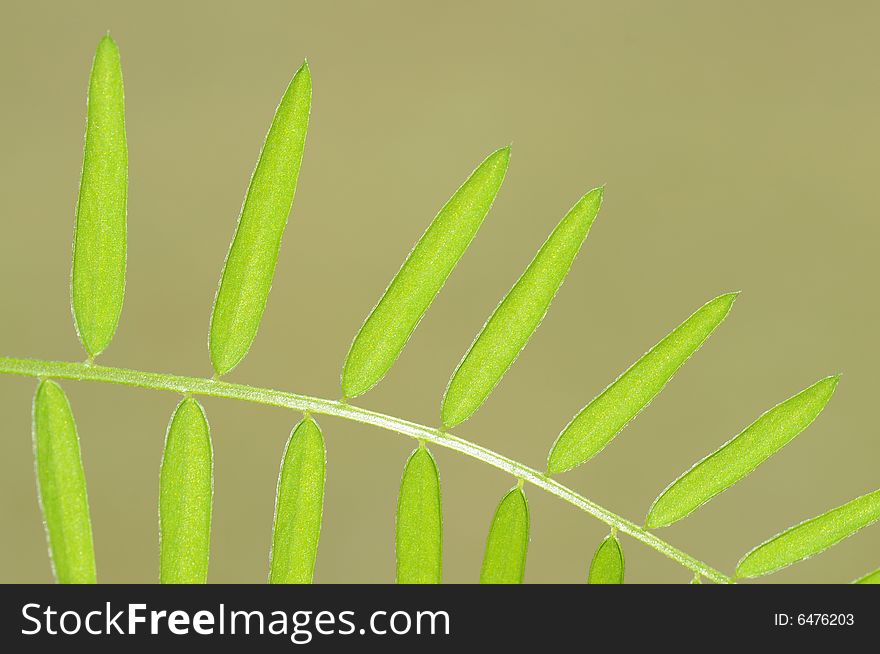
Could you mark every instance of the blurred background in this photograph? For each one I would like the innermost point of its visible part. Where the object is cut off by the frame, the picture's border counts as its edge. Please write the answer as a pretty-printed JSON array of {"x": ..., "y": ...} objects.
[{"x": 738, "y": 142}]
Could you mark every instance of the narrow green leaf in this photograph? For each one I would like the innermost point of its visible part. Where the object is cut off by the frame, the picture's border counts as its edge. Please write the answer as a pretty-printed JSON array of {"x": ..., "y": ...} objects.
[
  {"x": 299, "y": 506},
  {"x": 513, "y": 322},
  {"x": 389, "y": 326},
  {"x": 607, "y": 566},
  {"x": 508, "y": 542},
  {"x": 186, "y": 490},
  {"x": 604, "y": 417},
  {"x": 419, "y": 521},
  {"x": 250, "y": 264},
  {"x": 61, "y": 485},
  {"x": 740, "y": 455},
  {"x": 97, "y": 283},
  {"x": 811, "y": 537},
  {"x": 870, "y": 578}
]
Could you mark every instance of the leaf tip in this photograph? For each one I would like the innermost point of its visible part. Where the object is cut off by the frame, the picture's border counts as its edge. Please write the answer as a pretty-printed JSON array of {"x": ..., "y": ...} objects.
[
  {"x": 302, "y": 79},
  {"x": 828, "y": 385},
  {"x": 722, "y": 305},
  {"x": 592, "y": 199},
  {"x": 587, "y": 207},
  {"x": 107, "y": 45},
  {"x": 502, "y": 155},
  {"x": 727, "y": 299}
]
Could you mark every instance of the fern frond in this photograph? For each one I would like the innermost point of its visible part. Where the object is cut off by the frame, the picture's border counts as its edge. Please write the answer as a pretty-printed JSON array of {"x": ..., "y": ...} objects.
[{"x": 186, "y": 482}]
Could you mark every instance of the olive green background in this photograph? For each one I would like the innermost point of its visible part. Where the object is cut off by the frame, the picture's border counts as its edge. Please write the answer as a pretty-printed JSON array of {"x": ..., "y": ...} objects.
[{"x": 739, "y": 146}]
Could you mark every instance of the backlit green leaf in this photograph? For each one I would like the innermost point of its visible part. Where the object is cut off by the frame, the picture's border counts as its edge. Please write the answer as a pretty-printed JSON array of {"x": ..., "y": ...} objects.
[
  {"x": 299, "y": 506},
  {"x": 740, "y": 455},
  {"x": 97, "y": 283},
  {"x": 186, "y": 489},
  {"x": 811, "y": 537},
  {"x": 419, "y": 521},
  {"x": 250, "y": 264},
  {"x": 870, "y": 578},
  {"x": 389, "y": 326},
  {"x": 602, "y": 419},
  {"x": 61, "y": 485},
  {"x": 607, "y": 566},
  {"x": 508, "y": 542},
  {"x": 514, "y": 321}
]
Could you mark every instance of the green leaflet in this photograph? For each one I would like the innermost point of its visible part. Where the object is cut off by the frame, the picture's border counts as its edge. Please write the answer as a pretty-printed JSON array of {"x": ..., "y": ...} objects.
[
  {"x": 514, "y": 321},
  {"x": 97, "y": 282},
  {"x": 61, "y": 485},
  {"x": 508, "y": 542},
  {"x": 419, "y": 521},
  {"x": 740, "y": 455},
  {"x": 250, "y": 264},
  {"x": 870, "y": 578},
  {"x": 299, "y": 506},
  {"x": 389, "y": 326},
  {"x": 811, "y": 537},
  {"x": 186, "y": 490},
  {"x": 602, "y": 419},
  {"x": 607, "y": 565}
]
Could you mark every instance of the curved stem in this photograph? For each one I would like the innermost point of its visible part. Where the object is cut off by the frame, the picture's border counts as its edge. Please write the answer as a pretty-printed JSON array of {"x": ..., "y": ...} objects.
[{"x": 215, "y": 388}]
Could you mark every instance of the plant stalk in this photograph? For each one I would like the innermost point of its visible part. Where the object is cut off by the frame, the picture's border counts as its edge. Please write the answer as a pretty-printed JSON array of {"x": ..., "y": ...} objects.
[{"x": 215, "y": 388}]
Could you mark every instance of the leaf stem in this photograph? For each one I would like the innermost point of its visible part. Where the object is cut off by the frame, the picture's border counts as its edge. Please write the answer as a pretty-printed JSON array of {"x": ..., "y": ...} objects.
[{"x": 307, "y": 404}]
